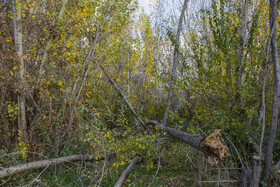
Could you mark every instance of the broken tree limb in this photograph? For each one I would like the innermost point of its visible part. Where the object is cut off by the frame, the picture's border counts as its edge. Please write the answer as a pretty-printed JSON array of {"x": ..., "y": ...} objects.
[
  {"x": 135, "y": 116},
  {"x": 45, "y": 163},
  {"x": 120, "y": 93},
  {"x": 127, "y": 171},
  {"x": 192, "y": 140},
  {"x": 213, "y": 145}
]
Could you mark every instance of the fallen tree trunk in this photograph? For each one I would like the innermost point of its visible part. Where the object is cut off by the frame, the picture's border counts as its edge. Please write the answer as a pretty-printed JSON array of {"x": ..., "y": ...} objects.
[
  {"x": 192, "y": 140},
  {"x": 213, "y": 145},
  {"x": 45, "y": 163},
  {"x": 127, "y": 171}
]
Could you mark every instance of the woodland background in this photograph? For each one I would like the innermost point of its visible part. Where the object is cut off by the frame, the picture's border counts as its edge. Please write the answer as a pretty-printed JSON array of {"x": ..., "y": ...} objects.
[{"x": 194, "y": 66}]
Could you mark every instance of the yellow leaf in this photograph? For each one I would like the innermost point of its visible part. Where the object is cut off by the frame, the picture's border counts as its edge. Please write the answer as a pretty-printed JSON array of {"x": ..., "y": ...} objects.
[{"x": 15, "y": 67}]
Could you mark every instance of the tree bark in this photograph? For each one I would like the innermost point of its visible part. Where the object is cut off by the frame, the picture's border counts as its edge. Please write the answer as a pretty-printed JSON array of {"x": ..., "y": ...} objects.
[
  {"x": 198, "y": 173},
  {"x": 245, "y": 181},
  {"x": 275, "y": 103},
  {"x": 192, "y": 140},
  {"x": 124, "y": 174},
  {"x": 263, "y": 108},
  {"x": 213, "y": 146},
  {"x": 17, "y": 27},
  {"x": 45, "y": 163},
  {"x": 175, "y": 62},
  {"x": 241, "y": 47},
  {"x": 255, "y": 178}
]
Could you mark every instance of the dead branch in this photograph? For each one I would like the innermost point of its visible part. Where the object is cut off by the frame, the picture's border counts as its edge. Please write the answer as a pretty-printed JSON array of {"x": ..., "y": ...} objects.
[
  {"x": 127, "y": 171},
  {"x": 45, "y": 163},
  {"x": 213, "y": 145},
  {"x": 120, "y": 93}
]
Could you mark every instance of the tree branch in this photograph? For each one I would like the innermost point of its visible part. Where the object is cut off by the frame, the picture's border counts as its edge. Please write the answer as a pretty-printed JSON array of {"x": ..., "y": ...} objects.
[
  {"x": 45, "y": 163},
  {"x": 124, "y": 174},
  {"x": 213, "y": 145}
]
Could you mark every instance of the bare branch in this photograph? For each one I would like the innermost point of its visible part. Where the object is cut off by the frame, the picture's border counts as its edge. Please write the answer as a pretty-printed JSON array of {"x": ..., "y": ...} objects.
[
  {"x": 45, "y": 163},
  {"x": 127, "y": 171}
]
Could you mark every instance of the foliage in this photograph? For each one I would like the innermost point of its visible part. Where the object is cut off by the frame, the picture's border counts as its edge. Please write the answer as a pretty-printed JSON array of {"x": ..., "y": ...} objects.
[{"x": 71, "y": 107}]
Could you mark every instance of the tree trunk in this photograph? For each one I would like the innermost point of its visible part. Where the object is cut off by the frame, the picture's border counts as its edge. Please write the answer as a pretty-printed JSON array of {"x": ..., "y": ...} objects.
[
  {"x": 213, "y": 146},
  {"x": 127, "y": 171},
  {"x": 17, "y": 27},
  {"x": 241, "y": 46},
  {"x": 175, "y": 62},
  {"x": 275, "y": 103},
  {"x": 245, "y": 181},
  {"x": 198, "y": 172},
  {"x": 45, "y": 163},
  {"x": 255, "y": 177}
]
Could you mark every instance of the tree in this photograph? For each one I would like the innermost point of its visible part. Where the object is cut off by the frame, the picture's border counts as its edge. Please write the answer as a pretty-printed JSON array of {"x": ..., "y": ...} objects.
[
  {"x": 276, "y": 92},
  {"x": 175, "y": 61},
  {"x": 17, "y": 27}
]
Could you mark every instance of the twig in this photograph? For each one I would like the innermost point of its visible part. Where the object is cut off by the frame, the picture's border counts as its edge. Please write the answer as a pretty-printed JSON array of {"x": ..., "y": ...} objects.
[
  {"x": 36, "y": 179},
  {"x": 156, "y": 171},
  {"x": 236, "y": 152},
  {"x": 222, "y": 181}
]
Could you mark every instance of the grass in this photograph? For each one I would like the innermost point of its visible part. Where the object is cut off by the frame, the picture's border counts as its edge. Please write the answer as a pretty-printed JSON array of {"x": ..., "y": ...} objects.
[{"x": 177, "y": 169}]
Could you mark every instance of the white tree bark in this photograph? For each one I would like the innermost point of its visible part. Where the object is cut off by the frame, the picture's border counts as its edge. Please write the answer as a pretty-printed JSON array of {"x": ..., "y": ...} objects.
[
  {"x": 175, "y": 62},
  {"x": 241, "y": 47},
  {"x": 17, "y": 27}
]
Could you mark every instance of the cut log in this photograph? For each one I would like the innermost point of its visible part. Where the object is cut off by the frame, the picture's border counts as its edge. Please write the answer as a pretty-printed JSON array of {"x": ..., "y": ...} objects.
[
  {"x": 45, "y": 163},
  {"x": 213, "y": 146},
  {"x": 256, "y": 171},
  {"x": 127, "y": 171}
]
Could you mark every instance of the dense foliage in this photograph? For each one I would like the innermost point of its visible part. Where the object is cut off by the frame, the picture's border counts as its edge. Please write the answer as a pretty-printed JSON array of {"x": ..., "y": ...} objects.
[{"x": 72, "y": 107}]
